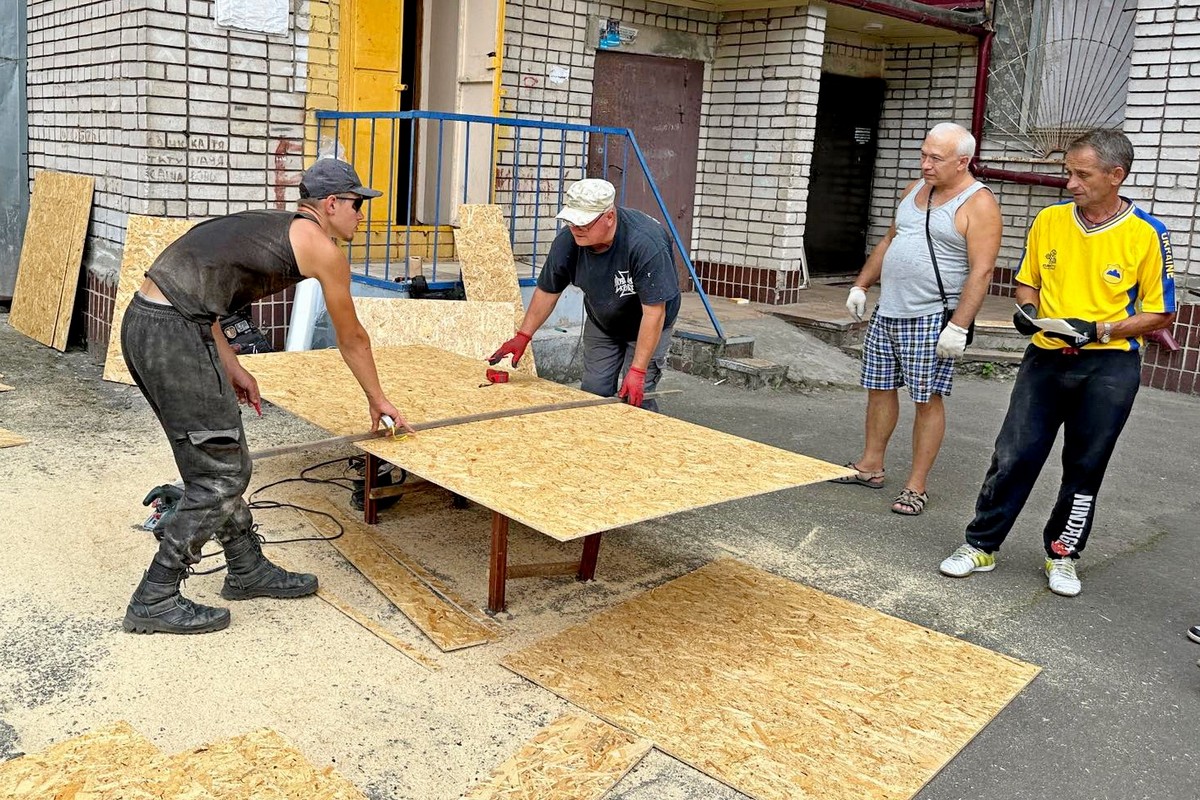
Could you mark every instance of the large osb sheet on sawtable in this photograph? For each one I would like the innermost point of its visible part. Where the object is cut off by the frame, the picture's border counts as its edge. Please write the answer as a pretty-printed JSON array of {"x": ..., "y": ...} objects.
[
  {"x": 555, "y": 472},
  {"x": 145, "y": 239},
  {"x": 573, "y": 758},
  {"x": 51, "y": 255},
  {"x": 425, "y": 383},
  {"x": 468, "y": 328},
  {"x": 489, "y": 271},
  {"x": 778, "y": 690},
  {"x": 262, "y": 764},
  {"x": 113, "y": 763}
]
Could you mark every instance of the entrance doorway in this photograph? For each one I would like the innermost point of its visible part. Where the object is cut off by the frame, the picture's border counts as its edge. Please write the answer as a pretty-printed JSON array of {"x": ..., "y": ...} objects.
[
  {"x": 843, "y": 165},
  {"x": 659, "y": 100}
]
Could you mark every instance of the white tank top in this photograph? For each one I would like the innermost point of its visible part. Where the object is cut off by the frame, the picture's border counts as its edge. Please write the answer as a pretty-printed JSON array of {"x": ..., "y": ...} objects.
[{"x": 907, "y": 285}]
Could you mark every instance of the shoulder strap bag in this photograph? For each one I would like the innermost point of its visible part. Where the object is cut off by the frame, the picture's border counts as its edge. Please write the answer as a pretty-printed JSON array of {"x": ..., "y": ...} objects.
[{"x": 947, "y": 311}]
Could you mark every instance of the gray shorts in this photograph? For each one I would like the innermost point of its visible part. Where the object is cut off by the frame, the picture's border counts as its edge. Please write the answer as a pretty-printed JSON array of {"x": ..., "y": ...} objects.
[{"x": 606, "y": 359}]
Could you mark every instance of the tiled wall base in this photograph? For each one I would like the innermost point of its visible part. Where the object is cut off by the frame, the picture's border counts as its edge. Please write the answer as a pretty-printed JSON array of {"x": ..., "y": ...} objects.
[
  {"x": 756, "y": 284},
  {"x": 270, "y": 315}
]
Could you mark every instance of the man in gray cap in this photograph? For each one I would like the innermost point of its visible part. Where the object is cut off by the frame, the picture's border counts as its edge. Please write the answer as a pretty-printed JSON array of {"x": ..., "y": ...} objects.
[
  {"x": 621, "y": 259},
  {"x": 180, "y": 360}
]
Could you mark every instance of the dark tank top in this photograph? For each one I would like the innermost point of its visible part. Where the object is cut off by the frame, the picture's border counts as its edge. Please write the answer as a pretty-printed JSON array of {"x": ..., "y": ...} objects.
[{"x": 223, "y": 264}]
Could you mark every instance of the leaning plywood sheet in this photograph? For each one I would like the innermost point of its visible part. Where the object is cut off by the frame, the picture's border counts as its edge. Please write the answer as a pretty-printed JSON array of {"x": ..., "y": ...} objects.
[
  {"x": 10, "y": 439},
  {"x": 48, "y": 273},
  {"x": 777, "y": 689},
  {"x": 555, "y": 472},
  {"x": 113, "y": 763},
  {"x": 469, "y": 328},
  {"x": 265, "y": 766},
  {"x": 573, "y": 758},
  {"x": 145, "y": 238},
  {"x": 447, "y": 626},
  {"x": 489, "y": 271}
]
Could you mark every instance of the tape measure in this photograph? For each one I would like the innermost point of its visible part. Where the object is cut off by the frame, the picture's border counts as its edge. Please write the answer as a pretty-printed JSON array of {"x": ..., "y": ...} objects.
[{"x": 496, "y": 376}]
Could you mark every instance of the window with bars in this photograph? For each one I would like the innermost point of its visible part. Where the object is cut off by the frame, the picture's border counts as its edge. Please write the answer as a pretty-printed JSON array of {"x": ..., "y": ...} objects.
[{"x": 1058, "y": 68}]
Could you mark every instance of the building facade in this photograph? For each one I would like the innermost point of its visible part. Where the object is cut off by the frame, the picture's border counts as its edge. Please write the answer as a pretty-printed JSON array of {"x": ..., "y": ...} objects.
[{"x": 779, "y": 136}]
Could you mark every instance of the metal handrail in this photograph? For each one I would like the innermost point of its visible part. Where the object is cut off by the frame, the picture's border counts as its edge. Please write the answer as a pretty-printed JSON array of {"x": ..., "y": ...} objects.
[{"x": 519, "y": 124}]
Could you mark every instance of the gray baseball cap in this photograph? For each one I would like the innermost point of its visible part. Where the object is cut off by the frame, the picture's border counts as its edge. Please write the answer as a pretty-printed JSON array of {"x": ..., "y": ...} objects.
[
  {"x": 586, "y": 200},
  {"x": 330, "y": 176}
]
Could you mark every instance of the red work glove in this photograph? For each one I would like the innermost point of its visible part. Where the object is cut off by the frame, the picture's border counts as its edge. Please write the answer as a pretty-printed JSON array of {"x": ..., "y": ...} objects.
[
  {"x": 514, "y": 347},
  {"x": 633, "y": 389}
]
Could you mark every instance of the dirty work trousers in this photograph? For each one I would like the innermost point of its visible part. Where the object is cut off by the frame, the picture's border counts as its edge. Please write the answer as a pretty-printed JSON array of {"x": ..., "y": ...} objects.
[
  {"x": 606, "y": 359},
  {"x": 1089, "y": 395},
  {"x": 175, "y": 363}
]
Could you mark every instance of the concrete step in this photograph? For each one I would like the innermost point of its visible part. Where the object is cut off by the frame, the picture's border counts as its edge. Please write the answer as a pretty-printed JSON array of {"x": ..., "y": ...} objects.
[{"x": 752, "y": 373}]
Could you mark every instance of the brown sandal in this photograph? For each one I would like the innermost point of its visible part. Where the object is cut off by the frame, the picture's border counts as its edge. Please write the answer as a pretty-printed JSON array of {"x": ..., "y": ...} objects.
[
  {"x": 909, "y": 503},
  {"x": 872, "y": 480}
]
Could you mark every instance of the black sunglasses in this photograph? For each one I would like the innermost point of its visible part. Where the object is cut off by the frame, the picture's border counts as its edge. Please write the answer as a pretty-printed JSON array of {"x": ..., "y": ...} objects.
[{"x": 358, "y": 201}]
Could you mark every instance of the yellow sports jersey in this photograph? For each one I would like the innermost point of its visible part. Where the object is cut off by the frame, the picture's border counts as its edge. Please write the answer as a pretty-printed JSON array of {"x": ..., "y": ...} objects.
[{"x": 1105, "y": 273}]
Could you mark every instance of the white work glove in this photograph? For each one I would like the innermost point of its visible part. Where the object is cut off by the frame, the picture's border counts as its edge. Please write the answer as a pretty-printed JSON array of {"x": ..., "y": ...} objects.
[
  {"x": 856, "y": 303},
  {"x": 952, "y": 342}
]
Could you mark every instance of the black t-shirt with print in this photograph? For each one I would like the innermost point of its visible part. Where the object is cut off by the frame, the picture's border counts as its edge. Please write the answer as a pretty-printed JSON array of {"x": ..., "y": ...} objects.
[{"x": 637, "y": 269}]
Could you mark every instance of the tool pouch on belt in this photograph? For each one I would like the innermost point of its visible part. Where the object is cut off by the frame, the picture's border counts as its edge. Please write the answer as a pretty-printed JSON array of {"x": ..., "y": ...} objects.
[{"x": 242, "y": 335}]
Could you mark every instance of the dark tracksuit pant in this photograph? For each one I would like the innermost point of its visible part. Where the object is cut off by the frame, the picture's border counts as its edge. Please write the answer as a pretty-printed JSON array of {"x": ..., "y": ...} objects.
[
  {"x": 1089, "y": 395},
  {"x": 175, "y": 363},
  {"x": 606, "y": 359}
]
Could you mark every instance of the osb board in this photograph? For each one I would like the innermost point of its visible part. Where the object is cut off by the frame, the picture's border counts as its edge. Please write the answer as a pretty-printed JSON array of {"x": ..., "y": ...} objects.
[
  {"x": 469, "y": 328},
  {"x": 564, "y": 473},
  {"x": 489, "y": 271},
  {"x": 371, "y": 625},
  {"x": 265, "y": 766},
  {"x": 573, "y": 758},
  {"x": 145, "y": 239},
  {"x": 51, "y": 255},
  {"x": 425, "y": 383},
  {"x": 776, "y": 689},
  {"x": 10, "y": 439},
  {"x": 113, "y": 763},
  {"x": 448, "y": 627}
]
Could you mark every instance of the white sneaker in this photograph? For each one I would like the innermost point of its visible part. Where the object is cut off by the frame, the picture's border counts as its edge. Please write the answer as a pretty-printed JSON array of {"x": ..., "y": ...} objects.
[
  {"x": 1060, "y": 572},
  {"x": 967, "y": 559}
]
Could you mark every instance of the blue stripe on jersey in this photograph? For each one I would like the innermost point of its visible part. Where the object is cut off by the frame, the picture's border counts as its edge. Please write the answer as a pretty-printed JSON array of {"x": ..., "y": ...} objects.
[{"x": 1168, "y": 260}]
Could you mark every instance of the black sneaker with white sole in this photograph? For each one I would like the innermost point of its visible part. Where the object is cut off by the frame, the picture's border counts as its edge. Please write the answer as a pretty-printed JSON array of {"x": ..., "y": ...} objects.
[{"x": 1194, "y": 633}]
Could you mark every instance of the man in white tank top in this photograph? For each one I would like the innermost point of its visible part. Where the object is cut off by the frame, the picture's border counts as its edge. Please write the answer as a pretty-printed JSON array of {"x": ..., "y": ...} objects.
[{"x": 951, "y": 214}]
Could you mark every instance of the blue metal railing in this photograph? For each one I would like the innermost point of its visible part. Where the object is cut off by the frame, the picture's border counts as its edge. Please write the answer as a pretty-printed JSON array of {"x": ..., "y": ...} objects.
[{"x": 415, "y": 198}]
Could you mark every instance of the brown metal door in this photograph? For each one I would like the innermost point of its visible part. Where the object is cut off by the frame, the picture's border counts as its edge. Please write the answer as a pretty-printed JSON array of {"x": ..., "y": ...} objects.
[{"x": 659, "y": 100}]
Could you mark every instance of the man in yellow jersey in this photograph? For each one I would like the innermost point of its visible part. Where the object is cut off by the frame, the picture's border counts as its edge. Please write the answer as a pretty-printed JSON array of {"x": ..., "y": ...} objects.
[{"x": 1104, "y": 266}]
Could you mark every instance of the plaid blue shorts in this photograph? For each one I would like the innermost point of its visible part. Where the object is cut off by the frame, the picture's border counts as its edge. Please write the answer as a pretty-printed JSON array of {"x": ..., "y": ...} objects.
[{"x": 903, "y": 352}]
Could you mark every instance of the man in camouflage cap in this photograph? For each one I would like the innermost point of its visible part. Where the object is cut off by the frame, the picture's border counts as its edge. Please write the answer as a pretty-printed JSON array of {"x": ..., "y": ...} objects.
[{"x": 621, "y": 260}]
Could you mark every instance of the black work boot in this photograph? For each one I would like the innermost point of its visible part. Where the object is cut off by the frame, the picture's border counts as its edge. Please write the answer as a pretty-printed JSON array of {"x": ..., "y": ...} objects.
[
  {"x": 250, "y": 574},
  {"x": 160, "y": 608}
]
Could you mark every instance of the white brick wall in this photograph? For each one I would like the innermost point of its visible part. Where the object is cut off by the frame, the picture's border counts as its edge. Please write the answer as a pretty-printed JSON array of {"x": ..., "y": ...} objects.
[
  {"x": 171, "y": 114},
  {"x": 756, "y": 138},
  {"x": 1162, "y": 118}
]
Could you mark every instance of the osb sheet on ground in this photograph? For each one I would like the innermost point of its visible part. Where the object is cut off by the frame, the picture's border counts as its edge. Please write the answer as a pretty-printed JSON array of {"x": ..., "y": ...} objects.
[
  {"x": 446, "y": 625},
  {"x": 776, "y": 689},
  {"x": 573, "y": 758},
  {"x": 51, "y": 255},
  {"x": 10, "y": 439},
  {"x": 145, "y": 239},
  {"x": 469, "y": 328},
  {"x": 489, "y": 271},
  {"x": 555, "y": 471},
  {"x": 113, "y": 763},
  {"x": 265, "y": 765}
]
